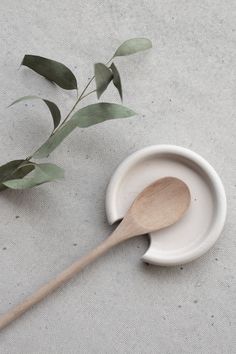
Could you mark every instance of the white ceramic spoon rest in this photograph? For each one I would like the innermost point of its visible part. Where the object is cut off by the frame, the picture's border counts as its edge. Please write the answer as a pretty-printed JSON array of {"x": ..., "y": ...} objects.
[{"x": 198, "y": 230}]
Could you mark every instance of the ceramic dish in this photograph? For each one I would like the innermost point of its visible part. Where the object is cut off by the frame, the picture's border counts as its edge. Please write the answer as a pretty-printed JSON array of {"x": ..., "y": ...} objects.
[{"x": 198, "y": 230}]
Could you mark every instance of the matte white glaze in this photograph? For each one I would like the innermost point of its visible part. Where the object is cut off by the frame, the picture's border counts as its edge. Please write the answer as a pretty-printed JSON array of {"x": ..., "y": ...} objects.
[{"x": 197, "y": 231}]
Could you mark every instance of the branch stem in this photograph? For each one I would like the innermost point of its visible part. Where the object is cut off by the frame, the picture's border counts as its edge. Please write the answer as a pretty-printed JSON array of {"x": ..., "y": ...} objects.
[
  {"x": 78, "y": 100},
  {"x": 81, "y": 96}
]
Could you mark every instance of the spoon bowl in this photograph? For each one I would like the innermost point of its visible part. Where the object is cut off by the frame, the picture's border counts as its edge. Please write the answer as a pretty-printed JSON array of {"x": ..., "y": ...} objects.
[{"x": 159, "y": 205}]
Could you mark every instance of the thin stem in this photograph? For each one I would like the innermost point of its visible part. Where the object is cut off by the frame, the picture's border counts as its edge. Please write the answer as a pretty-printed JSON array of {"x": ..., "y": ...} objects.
[
  {"x": 81, "y": 96},
  {"x": 87, "y": 94},
  {"x": 78, "y": 100},
  {"x": 109, "y": 60}
]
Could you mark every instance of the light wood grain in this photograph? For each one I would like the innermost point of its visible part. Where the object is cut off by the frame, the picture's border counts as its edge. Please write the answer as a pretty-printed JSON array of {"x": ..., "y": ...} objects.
[{"x": 159, "y": 205}]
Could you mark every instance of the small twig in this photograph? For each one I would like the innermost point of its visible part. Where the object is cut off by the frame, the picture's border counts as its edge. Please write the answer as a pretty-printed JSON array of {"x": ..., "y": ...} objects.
[
  {"x": 78, "y": 100},
  {"x": 87, "y": 94},
  {"x": 81, "y": 96}
]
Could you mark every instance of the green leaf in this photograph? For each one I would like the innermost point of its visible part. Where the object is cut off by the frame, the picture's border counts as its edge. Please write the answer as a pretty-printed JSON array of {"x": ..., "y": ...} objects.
[
  {"x": 7, "y": 169},
  {"x": 132, "y": 46},
  {"x": 45, "y": 172},
  {"x": 89, "y": 115},
  {"x": 51, "y": 70},
  {"x": 13, "y": 169},
  {"x": 55, "y": 112},
  {"x": 100, "y": 112},
  {"x": 103, "y": 77},
  {"x": 55, "y": 140},
  {"x": 116, "y": 79}
]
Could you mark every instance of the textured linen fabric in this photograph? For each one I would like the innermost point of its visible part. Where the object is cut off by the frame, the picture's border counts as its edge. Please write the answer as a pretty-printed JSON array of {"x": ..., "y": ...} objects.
[{"x": 184, "y": 92}]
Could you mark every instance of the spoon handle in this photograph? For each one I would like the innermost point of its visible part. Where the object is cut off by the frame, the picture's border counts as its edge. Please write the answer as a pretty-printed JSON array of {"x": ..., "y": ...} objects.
[{"x": 59, "y": 280}]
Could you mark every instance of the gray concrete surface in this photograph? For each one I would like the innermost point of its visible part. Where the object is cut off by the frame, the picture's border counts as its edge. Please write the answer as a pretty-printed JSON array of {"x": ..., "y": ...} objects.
[{"x": 184, "y": 91}]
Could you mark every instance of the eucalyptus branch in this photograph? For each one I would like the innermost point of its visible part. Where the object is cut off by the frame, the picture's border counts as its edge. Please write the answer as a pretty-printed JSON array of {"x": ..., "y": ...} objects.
[{"x": 13, "y": 174}]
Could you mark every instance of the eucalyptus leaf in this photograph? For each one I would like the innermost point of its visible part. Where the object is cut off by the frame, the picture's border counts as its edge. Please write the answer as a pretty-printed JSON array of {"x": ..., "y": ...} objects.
[
  {"x": 85, "y": 117},
  {"x": 54, "y": 140},
  {"x": 132, "y": 46},
  {"x": 55, "y": 112},
  {"x": 100, "y": 112},
  {"x": 45, "y": 172},
  {"x": 103, "y": 77},
  {"x": 7, "y": 169},
  {"x": 13, "y": 169},
  {"x": 23, "y": 170},
  {"x": 117, "y": 80},
  {"x": 51, "y": 70}
]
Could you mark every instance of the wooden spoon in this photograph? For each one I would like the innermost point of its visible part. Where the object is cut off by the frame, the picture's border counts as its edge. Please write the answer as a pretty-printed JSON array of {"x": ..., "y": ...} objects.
[{"x": 159, "y": 205}]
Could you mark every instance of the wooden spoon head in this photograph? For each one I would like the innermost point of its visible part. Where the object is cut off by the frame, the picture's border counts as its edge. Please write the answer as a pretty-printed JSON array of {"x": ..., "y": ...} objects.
[{"x": 159, "y": 205}]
